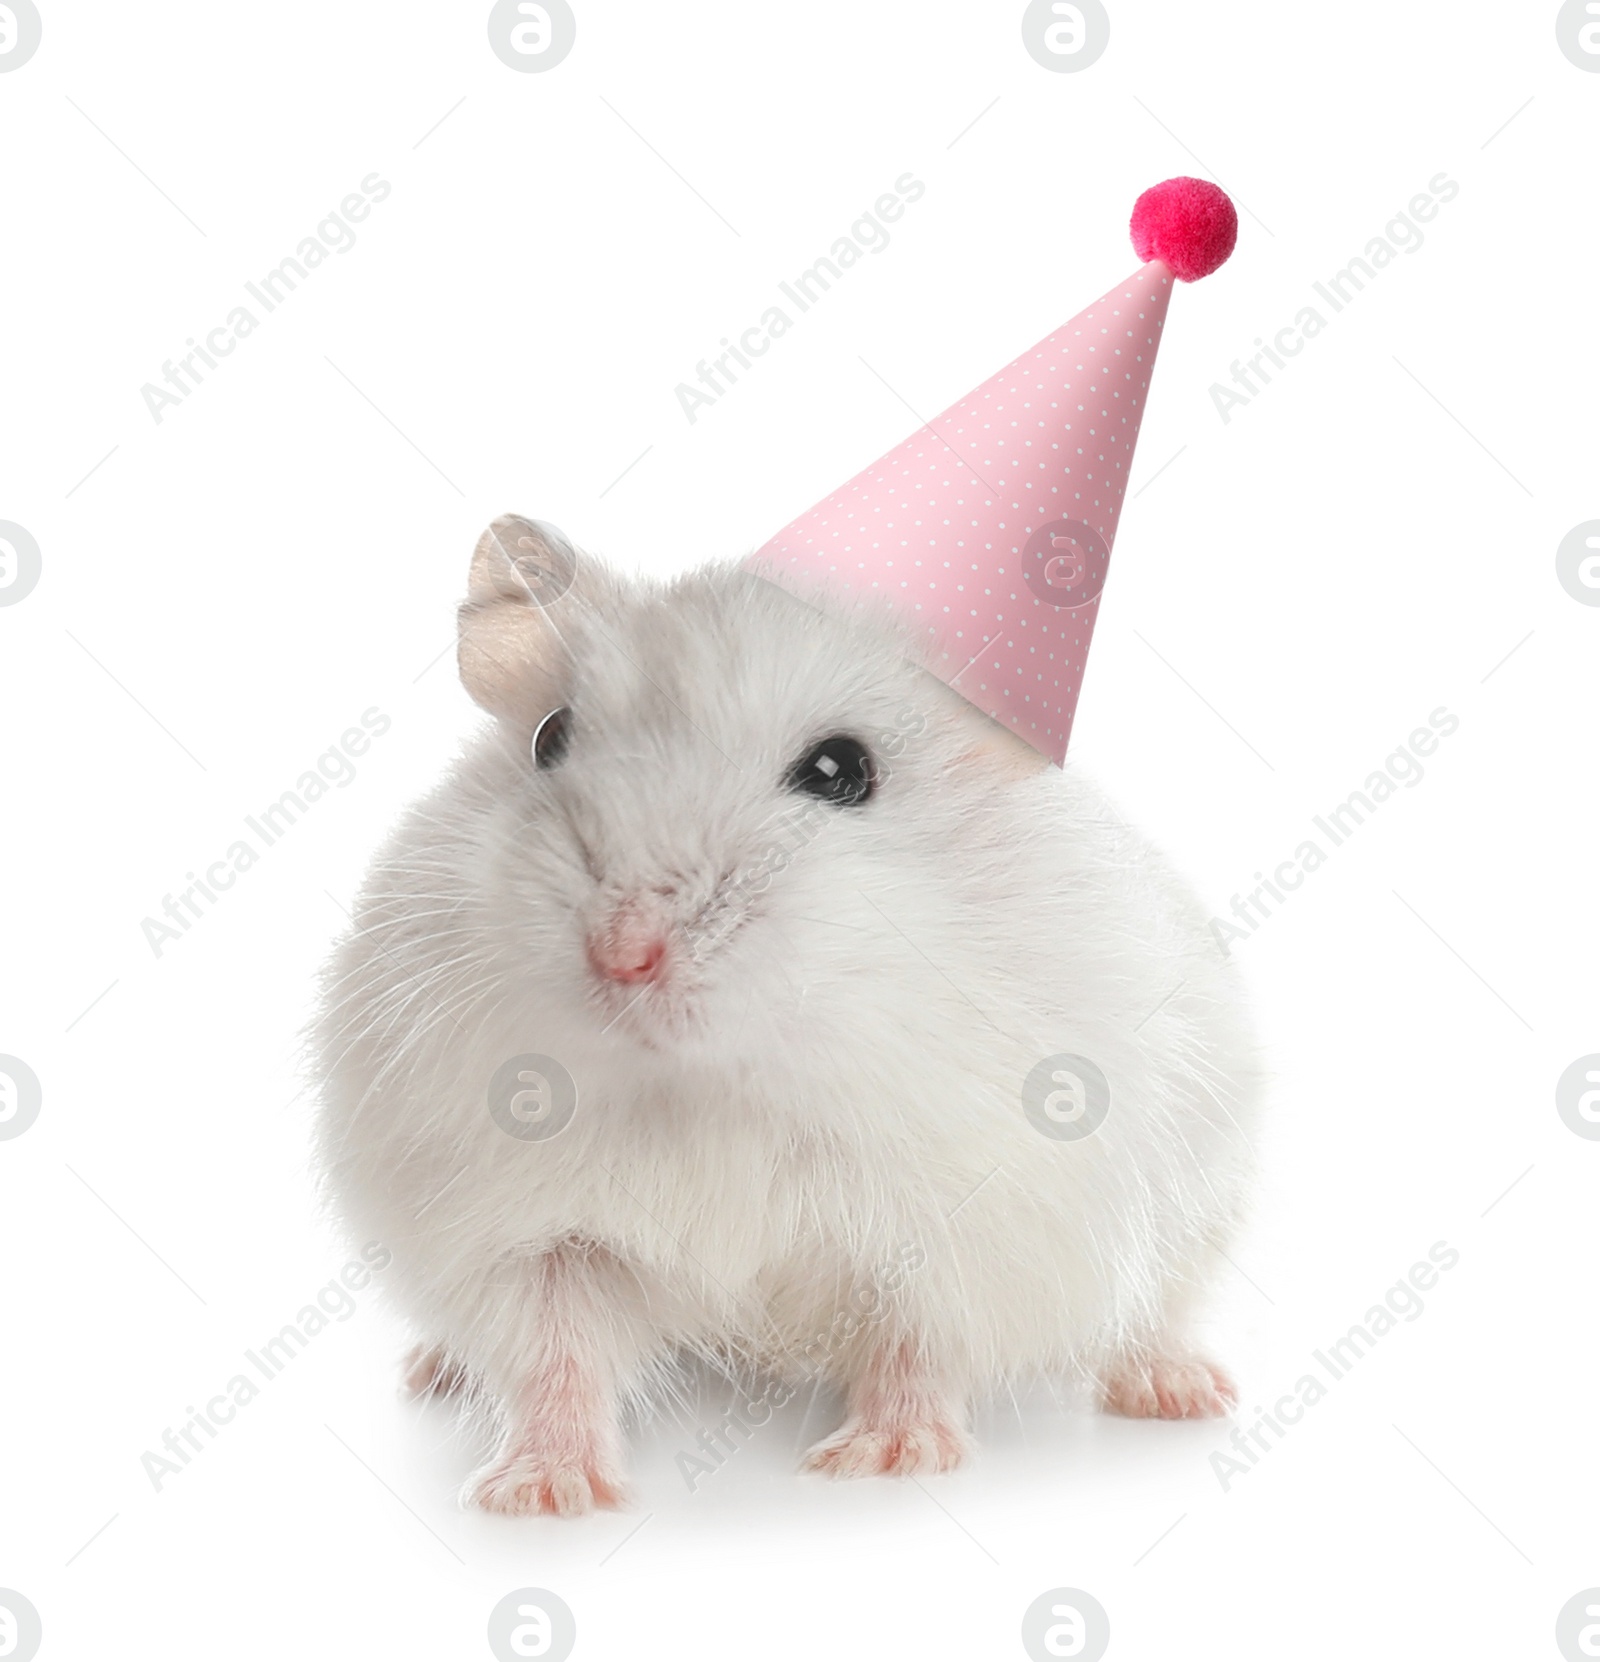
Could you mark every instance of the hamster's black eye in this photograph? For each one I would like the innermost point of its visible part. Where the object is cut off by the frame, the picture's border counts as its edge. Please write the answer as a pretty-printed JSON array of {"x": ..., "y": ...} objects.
[
  {"x": 839, "y": 770},
  {"x": 551, "y": 737}
]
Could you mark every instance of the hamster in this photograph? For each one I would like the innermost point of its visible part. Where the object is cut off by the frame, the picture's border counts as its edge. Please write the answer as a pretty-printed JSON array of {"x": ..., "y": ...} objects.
[{"x": 743, "y": 992}]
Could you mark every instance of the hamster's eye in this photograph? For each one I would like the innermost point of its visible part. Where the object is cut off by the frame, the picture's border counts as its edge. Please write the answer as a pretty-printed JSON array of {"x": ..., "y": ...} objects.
[
  {"x": 551, "y": 738},
  {"x": 839, "y": 770}
]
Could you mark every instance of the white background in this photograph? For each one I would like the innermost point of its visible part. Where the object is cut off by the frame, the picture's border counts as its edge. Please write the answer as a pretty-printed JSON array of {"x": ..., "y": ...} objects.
[{"x": 229, "y": 589}]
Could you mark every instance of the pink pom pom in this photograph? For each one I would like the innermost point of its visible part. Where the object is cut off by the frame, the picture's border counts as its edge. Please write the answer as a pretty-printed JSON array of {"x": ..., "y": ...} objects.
[{"x": 1187, "y": 224}]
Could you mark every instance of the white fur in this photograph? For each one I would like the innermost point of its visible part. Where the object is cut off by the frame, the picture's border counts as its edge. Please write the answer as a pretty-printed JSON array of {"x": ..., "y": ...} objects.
[{"x": 832, "y": 1084}]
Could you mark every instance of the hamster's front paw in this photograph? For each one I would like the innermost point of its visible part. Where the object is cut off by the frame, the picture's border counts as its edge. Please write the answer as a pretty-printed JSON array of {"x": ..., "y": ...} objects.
[
  {"x": 1169, "y": 1388},
  {"x": 524, "y": 1485},
  {"x": 913, "y": 1448},
  {"x": 429, "y": 1372}
]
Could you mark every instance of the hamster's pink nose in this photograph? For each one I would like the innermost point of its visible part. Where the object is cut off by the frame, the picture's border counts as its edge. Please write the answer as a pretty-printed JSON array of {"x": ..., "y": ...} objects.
[{"x": 629, "y": 948}]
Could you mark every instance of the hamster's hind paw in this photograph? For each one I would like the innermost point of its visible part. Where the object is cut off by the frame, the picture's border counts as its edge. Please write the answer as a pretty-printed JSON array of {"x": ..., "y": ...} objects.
[
  {"x": 429, "y": 1372},
  {"x": 1169, "y": 1388},
  {"x": 914, "y": 1449}
]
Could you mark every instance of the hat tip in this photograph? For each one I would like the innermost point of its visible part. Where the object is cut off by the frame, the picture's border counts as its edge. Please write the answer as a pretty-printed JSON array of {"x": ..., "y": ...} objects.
[{"x": 1188, "y": 224}]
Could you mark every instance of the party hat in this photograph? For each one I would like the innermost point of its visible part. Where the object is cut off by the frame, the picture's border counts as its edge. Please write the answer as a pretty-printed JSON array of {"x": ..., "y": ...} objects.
[{"x": 991, "y": 527}]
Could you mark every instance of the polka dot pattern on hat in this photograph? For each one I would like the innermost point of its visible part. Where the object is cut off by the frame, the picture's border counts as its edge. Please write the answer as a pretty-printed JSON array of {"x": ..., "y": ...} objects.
[{"x": 991, "y": 525}]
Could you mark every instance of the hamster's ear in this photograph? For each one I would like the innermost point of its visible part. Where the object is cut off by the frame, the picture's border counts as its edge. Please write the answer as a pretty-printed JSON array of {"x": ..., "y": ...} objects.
[{"x": 508, "y": 644}]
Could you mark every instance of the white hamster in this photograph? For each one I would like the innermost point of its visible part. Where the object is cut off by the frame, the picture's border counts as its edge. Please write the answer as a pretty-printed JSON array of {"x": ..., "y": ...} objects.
[{"x": 773, "y": 1005}]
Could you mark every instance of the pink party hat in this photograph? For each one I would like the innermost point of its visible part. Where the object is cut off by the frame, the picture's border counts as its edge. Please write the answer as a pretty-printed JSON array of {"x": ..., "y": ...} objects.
[{"x": 992, "y": 525}]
